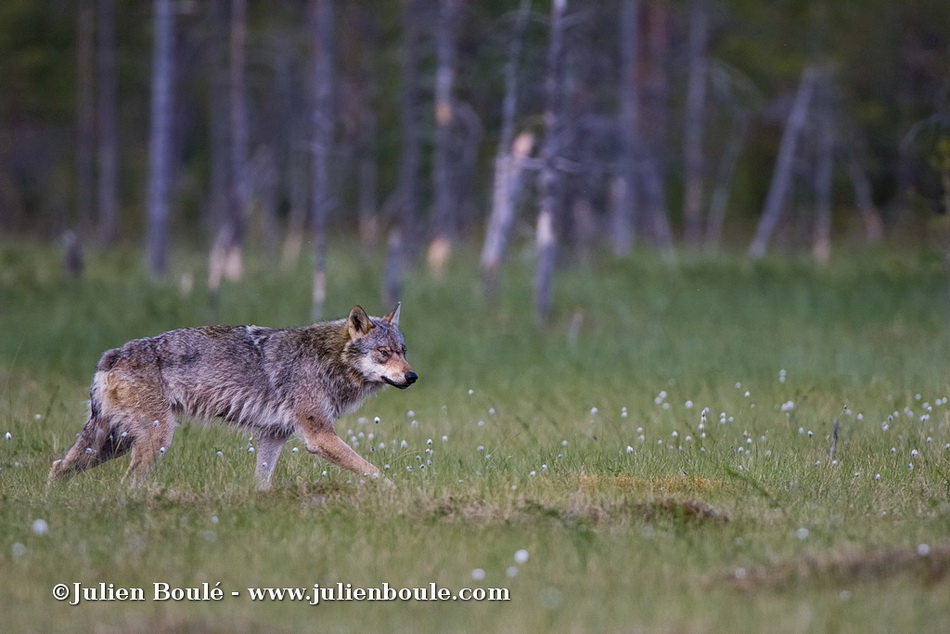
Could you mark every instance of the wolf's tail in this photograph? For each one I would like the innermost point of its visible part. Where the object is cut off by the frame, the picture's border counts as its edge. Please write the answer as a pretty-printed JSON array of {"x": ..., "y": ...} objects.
[{"x": 98, "y": 441}]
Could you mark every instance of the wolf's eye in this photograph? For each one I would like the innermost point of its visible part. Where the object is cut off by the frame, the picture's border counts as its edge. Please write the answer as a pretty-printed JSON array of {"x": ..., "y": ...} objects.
[{"x": 384, "y": 352}]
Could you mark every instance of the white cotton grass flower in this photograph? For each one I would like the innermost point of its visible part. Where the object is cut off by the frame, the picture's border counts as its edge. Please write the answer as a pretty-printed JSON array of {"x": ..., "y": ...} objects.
[
  {"x": 521, "y": 556},
  {"x": 788, "y": 406},
  {"x": 478, "y": 574},
  {"x": 802, "y": 533},
  {"x": 40, "y": 527}
]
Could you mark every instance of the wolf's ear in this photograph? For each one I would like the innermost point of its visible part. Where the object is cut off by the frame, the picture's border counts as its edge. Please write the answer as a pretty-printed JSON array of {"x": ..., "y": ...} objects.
[
  {"x": 393, "y": 317},
  {"x": 358, "y": 323}
]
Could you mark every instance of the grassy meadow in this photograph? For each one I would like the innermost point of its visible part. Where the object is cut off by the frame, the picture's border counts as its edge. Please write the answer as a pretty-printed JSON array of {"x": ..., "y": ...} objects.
[{"x": 659, "y": 451}]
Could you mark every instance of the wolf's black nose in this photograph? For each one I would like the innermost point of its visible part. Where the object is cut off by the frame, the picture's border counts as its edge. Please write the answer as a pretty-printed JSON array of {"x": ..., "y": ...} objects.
[{"x": 411, "y": 377}]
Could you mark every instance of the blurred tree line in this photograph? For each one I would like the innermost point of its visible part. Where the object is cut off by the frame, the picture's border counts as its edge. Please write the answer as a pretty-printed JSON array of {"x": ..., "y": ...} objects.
[{"x": 679, "y": 123}]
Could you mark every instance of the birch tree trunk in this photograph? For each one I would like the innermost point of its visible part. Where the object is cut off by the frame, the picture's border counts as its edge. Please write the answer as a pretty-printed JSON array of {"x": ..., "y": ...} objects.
[
  {"x": 623, "y": 219},
  {"x": 368, "y": 32},
  {"x": 549, "y": 184},
  {"x": 160, "y": 138},
  {"x": 108, "y": 195},
  {"x": 85, "y": 114},
  {"x": 444, "y": 182},
  {"x": 322, "y": 199},
  {"x": 781, "y": 177},
  {"x": 693, "y": 161},
  {"x": 821, "y": 239},
  {"x": 509, "y": 162},
  {"x": 402, "y": 238}
]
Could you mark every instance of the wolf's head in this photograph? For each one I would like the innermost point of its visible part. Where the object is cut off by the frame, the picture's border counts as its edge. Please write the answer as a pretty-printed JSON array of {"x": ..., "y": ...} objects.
[{"x": 379, "y": 349}]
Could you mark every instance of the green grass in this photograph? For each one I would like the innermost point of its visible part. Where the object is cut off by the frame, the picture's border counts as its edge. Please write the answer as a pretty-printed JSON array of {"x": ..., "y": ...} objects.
[{"x": 698, "y": 534}]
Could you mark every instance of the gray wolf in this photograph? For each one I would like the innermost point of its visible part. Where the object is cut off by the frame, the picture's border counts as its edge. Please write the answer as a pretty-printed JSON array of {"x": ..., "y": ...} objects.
[{"x": 272, "y": 382}]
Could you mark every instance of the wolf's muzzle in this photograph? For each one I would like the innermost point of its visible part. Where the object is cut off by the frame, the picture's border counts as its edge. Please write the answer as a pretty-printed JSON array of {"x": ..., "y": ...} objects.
[{"x": 409, "y": 378}]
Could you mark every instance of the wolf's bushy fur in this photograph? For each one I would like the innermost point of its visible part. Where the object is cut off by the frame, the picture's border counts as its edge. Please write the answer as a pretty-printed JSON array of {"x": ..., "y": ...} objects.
[{"x": 273, "y": 382}]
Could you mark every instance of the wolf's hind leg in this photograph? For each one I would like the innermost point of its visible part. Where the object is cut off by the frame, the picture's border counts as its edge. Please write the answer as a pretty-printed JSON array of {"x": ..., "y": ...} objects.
[
  {"x": 151, "y": 440},
  {"x": 269, "y": 447},
  {"x": 95, "y": 444}
]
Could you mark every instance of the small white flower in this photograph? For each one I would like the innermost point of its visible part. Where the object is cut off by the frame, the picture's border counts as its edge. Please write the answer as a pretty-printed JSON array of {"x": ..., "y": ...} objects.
[
  {"x": 8, "y": 436},
  {"x": 403, "y": 444},
  {"x": 410, "y": 414},
  {"x": 913, "y": 453},
  {"x": 532, "y": 474},
  {"x": 923, "y": 550},
  {"x": 594, "y": 410},
  {"x": 470, "y": 392},
  {"x": 40, "y": 527},
  {"x": 249, "y": 449},
  {"x": 511, "y": 571},
  {"x": 221, "y": 453},
  {"x": 478, "y": 574},
  {"x": 741, "y": 573},
  {"x": 521, "y": 556},
  {"x": 877, "y": 476},
  {"x": 214, "y": 519},
  {"x": 802, "y": 533},
  {"x": 689, "y": 404},
  {"x": 629, "y": 449}
]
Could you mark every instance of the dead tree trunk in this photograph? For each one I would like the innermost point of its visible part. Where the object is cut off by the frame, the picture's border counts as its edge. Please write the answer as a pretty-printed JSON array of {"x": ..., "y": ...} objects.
[
  {"x": 108, "y": 147},
  {"x": 402, "y": 238},
  {"x": 444, "y": 184},
  {"x": 85, "y": 114},
  {"x": 160, "y": 138},
  {"x": 226, "y": 257},
  {"x": 368, "y": 33},
  {"x": 821, "y": 238},
  {"x": 695, "y": 120},
  {"x": 549, "y": 179},
  {"x": 322, "y": 200},
  {"x": 623, "y": 220},
  {"x": 782, "y": 176},
  {"x": 509, "y": 163},
  {"x": 864, "y": 201}
]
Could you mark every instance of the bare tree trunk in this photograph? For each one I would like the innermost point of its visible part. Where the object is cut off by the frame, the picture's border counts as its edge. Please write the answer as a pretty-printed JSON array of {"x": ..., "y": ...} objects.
[
  {"x": 226, "y": 260},
  {"x": 221, "y": 206},
  {"x": 108, "y": 147},
  {"x": 509, "y": 177},
  {"x": 322, "y": 200},
  {"x": 821, "y": 239},
  {"x": 623, "y": 220},
  {"x": 782, "y": 176},
  {"x": 234, "y": 267},
  {"x": 85, "y": 115},
  {"x": 160, "y": 138},
  {"x": 297, "y": 219},
  {"x": 724, "y": 177},
  {"x": 368, "y": 33},
  {"x": 509, "y": 162},
  {"x": 864, "y": 201},
  {"x": 695, "y": 120},
  {"x": 446, "y": 199},
  {"x": 402, "y": 239},
  {"x": 550, "y": 179}
]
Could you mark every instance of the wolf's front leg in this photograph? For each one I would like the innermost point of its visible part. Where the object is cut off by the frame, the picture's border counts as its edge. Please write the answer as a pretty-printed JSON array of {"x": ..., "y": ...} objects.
[{"x": 321, "y": 439}]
